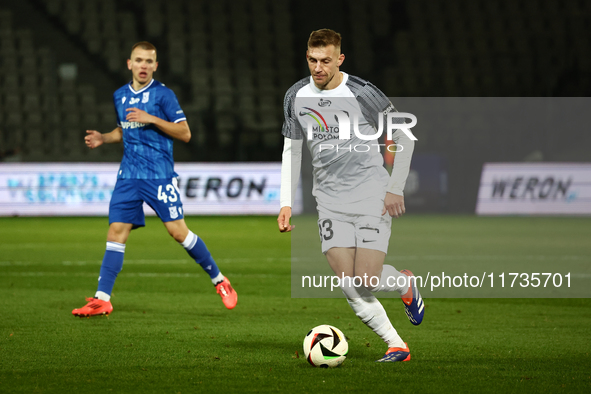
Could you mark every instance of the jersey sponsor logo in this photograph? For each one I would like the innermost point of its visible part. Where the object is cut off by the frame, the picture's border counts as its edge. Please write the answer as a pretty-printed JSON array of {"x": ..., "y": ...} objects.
[
  {"x": 394, "y": 120},
  {"x": 123, "y": 100},
  {"x": 179, "y": 111},
  {"x": 132, "y": 125},
  {"x": 316, "y": 116},
  {"x": 324, "y": 103},
  {"x": 145, "y": 97},
  {"x": 134, "y": 100},
  {"x": 173, "y": 212}
]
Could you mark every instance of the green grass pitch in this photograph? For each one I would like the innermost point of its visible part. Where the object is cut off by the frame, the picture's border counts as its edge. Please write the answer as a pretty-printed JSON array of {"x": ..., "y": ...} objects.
[{"x": 169, "y": 332}]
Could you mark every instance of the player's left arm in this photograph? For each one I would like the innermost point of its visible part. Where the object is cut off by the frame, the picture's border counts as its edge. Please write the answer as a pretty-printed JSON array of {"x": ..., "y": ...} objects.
[
  {"x": 179, "y": 130},
  {"x": 394, "y": 199},
  {"x": 375, "y": 104},
  {"x": 291, "y": 161}
]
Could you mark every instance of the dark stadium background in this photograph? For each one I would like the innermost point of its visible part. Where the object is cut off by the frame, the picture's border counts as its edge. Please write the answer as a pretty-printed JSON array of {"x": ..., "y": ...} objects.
[{"x": 230, "y": 63}]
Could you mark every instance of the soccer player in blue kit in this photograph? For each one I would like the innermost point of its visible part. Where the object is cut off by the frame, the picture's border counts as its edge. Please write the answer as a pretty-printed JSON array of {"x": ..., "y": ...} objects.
[{"x": 149, "y": 117}]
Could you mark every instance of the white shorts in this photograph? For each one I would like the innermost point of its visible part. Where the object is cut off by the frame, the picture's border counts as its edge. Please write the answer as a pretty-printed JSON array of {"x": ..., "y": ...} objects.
[{"x": 346, "y": 230}]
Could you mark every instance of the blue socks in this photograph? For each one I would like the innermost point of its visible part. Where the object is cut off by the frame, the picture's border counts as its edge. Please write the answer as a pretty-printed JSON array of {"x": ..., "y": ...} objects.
[
  {"x": 198, "y": 251},
  {"x": 112, "y": 265}
]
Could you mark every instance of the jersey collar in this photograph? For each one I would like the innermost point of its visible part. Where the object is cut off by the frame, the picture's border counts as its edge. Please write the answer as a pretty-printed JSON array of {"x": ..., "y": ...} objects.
[
  {"x": 142, "y": 89},
  {"x": 331, "y": 91}
]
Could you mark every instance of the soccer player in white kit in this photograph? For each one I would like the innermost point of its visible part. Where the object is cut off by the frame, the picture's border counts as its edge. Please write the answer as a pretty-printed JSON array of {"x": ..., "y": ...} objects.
[{"x": 356, "y": 198}]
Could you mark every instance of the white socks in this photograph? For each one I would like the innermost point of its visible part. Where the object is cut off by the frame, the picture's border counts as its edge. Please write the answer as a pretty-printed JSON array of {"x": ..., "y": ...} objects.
[
  {"x": 392, "y": 280},
  {"x": 372, "y": 313},
  {"x": 190, "y": 240},
  {"x": 217, "y": 279},
  {"x": 101, "y": 295}
]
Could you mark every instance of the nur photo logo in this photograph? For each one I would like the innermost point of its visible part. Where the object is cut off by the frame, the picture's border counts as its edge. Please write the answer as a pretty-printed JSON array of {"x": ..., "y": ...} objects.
[{"x": 319, "y": 128}]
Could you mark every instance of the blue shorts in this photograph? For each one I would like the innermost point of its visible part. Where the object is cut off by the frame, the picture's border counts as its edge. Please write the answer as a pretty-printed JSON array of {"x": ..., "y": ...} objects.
[{"x": 162, "y": 195}]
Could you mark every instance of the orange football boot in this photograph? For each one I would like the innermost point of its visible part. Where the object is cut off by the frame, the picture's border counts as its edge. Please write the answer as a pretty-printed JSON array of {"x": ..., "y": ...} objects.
[
  {"x": 95, "y": 307},
  {"x": 228, "y": 294}
]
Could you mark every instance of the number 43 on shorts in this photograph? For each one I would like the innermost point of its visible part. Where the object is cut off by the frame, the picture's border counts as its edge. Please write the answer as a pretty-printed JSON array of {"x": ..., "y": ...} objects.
[{"x": 172, "y": 190}]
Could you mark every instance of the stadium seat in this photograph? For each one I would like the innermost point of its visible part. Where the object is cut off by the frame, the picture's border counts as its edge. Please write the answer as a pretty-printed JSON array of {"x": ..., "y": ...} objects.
[
  {"x": 14, "y": 120},
  {"x": 225, "y": 125},
  {"x": 5, "y": 22},
  {"x": 246, "y": 103}
]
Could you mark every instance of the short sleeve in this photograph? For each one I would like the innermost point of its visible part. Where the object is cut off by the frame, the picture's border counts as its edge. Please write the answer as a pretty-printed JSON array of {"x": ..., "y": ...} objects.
[
  {"x": 116, "y": 110},
  {"x": 291, "y": 127},
  {"x": 372, "y": 101},
  {"x": 171, "y": 107}
]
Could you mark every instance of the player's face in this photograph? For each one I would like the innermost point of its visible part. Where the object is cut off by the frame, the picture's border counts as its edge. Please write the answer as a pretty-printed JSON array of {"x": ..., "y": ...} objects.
[
  {"x": 324, "y": 63},
  {"x": 142, "y": 65}
]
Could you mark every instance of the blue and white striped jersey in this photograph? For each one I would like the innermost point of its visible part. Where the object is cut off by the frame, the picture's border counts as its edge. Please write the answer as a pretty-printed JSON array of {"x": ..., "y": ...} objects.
[{"x": 147, "y": 152}]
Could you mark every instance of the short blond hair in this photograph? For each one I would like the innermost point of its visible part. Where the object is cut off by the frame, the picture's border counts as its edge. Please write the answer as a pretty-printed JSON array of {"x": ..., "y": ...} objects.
[{"x": 148, "y": 46}]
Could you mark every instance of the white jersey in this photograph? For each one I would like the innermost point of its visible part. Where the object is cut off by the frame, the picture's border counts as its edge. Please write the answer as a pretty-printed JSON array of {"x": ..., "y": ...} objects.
[{"x": 345, "y": 171}]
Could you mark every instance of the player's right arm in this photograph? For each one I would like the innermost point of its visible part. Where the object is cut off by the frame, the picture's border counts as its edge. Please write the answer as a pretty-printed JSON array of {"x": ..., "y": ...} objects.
[
  {"x": 291, "y": 161},
  {"x": 283, "y": 219},
  {"x": 94, "y": 139}
]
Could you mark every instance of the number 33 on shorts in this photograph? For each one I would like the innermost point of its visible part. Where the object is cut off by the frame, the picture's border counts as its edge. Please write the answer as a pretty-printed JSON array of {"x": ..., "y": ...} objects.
[
  {"x": 366, "y": 232},
  {"x": 334, "y": 233}
]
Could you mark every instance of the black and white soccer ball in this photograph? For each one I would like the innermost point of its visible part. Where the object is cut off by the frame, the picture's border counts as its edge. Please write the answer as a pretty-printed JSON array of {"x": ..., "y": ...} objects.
[{"x": 325, "y": 346}]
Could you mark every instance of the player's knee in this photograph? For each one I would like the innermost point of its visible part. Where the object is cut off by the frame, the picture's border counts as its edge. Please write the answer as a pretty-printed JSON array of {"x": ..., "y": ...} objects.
[
  {"x": 177, "y": 230},
  {"x": 178, "y": 236},
  {"x": 118, "y": 232}
]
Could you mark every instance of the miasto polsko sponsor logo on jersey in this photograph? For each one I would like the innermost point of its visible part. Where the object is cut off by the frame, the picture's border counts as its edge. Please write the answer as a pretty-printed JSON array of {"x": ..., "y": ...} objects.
[{"x": 319, "y": 129}]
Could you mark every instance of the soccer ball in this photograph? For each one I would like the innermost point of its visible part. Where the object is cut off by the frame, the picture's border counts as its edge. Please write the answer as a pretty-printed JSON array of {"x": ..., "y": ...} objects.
[{"x": 325, "y": 346}]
